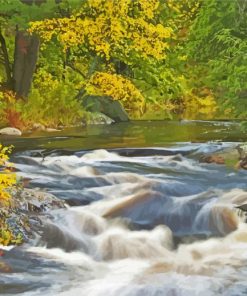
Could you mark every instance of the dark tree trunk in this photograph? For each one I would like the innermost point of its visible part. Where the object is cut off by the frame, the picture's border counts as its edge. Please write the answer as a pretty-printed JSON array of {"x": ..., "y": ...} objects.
[
  {"x": 6, "y": 62},
  {"x": 25, "y": 58}
]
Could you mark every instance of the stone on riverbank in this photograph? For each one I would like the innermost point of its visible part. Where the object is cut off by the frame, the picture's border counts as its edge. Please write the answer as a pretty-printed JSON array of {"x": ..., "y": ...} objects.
[
  {"x": 41, "y": 128},
  {"x": 10, "y": 131}
]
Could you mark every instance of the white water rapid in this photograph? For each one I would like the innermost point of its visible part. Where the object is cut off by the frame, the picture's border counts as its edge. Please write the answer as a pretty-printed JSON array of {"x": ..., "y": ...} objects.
[{"x": 162, "y": 224}]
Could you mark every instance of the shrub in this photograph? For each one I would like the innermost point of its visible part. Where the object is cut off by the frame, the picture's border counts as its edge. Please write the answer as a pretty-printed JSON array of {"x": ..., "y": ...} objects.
[
  {"x": 7, "y": 177},
  {"x": 51, "y": 103},
  {"x": 7, "y": 182}
]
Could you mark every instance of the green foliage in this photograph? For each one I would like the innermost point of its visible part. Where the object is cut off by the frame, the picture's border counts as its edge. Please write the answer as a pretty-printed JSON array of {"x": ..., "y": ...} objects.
[
  {"x": 52, "y": 102},
  {"x": 217, "y": 47},
  {"x": 52, "y": 99},
  {"x": 20, "y": 12}
]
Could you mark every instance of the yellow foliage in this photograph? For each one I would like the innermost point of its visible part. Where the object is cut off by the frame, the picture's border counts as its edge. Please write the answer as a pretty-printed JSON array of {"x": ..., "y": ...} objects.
[
  {"x": 44, "y": 81},
  {"x": 7, "y": 178},
  {"x": 52, "y": 102},
  {"x": 7, "y": 181},
  {"x": 119, "y": 88},
  {"x": 185, "y": 9},
  {"x": 8, "y": 96},
  {"x": 199, "y": 107},
  {"x": 7, "y": 237},
  {"x": 109, "y": 28}
]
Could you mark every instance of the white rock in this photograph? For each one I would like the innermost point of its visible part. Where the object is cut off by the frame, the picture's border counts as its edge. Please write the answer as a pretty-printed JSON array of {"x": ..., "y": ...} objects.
[{"x": 10, "y": 131}]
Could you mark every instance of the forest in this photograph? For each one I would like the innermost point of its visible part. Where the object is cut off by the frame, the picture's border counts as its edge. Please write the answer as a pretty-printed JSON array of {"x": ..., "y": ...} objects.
[
  {"x": 159, "y": 59},
  {"x": 123, "y": 155}
]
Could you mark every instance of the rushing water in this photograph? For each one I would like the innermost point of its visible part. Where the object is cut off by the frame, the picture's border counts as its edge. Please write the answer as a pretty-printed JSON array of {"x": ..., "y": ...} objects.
[{"x": 147, "y": 221}]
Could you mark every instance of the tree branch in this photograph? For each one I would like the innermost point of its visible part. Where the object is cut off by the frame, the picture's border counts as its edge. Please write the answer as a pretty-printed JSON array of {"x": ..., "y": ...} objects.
[{"x": 75, "y": 69}]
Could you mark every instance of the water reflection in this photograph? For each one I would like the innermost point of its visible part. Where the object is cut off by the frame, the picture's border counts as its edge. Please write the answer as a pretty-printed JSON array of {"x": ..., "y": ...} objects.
[{"x": 132, "y": 134}]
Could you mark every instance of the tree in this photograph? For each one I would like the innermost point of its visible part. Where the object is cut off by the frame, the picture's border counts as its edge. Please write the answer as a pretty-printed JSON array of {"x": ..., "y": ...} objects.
[
  {"x": 111, "y": 39},
  {"x": 217, "y": 49},
  {"x": 19, "y": 60}
]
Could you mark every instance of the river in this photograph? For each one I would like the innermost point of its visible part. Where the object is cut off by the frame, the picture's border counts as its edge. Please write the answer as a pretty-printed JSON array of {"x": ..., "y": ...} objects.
[{"x": 146, "y": 217}]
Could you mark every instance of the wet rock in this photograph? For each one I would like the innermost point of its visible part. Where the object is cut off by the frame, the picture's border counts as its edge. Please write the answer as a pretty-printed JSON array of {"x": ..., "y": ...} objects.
[
  {"x": 241, "y": 164},
  {"x": 242, "y": 212},
  {"x": 54, "y": 237},
  {"x": 139, "y": 209},
  {"x": 32, "y": 200},
  {"x": 242, "y": 207},
  {"x": 10, "y": 131},
  {"x": 222, "y": 220},
  {"x": 242, "y": 152},
  {"x": 228, "y": 156},
  {"x": 213, "y": 159},
  {"x": 22, "y": 219},
  {"x": 128, "y": 204}
]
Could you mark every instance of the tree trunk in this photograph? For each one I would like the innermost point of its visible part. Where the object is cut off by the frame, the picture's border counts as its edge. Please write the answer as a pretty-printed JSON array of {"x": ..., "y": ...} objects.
[
  {"x": 6, "y": 62},
  {"x": 25, "y": 58}
]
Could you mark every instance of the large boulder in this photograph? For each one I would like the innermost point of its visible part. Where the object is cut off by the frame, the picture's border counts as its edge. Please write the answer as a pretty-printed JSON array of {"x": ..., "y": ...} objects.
[
  {"x": 105, "y": 105},
  {"x": 10, "y": 131}
]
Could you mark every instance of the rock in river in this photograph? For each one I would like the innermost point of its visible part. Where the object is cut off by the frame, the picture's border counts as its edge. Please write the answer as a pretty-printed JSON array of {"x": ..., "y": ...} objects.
[
  {"x": 33, "y": 200},
  {"x": 22, "y": 218},
  {"x": 218, "y": 159}
]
